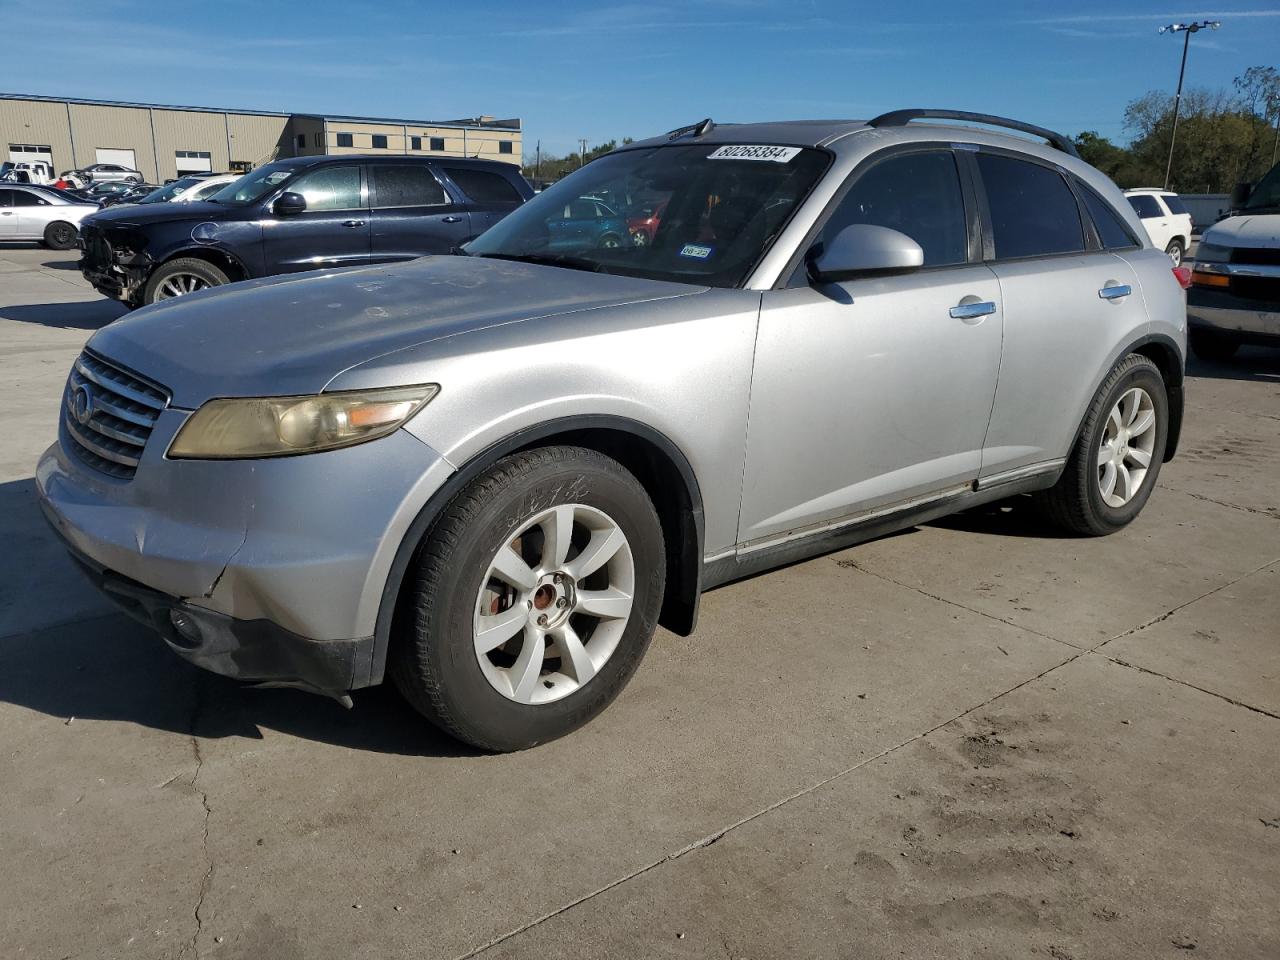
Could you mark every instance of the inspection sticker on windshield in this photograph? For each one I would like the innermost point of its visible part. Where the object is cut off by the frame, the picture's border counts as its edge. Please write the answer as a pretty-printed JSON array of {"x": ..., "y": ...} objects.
[
  {"x": 698, "y": 251},
  {"x": 755, "y": 151}
]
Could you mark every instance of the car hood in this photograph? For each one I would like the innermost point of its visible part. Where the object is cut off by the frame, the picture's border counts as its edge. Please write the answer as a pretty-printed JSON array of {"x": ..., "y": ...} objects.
[
  {"x": 1249, "y": 230},
  {"x": 140, "y": 214},
  {"x": 293, "y": 334}
]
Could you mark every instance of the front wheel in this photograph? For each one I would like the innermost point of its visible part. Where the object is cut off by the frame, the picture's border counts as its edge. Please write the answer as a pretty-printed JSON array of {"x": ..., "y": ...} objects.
[
  {"x": 532, "y": 600},
  {"x": 1114, "y": 464},
  {"x": 1175, "y": 250},
  {"x": 177, "y": 278},
  {"x": 60, "y": 236}
]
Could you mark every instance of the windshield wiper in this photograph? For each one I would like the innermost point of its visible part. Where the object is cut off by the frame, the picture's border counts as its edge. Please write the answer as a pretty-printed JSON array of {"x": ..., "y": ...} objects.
[{"x": 548, "y": 260}]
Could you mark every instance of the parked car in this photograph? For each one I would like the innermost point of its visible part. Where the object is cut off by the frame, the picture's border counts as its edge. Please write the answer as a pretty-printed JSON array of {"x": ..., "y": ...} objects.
[
  {"x": 1235, "y": 293},
  {"x": 26, "y": 171},
  {"x": 298, "y": 214},
  {"x": 586, "y": 221},
  {"x": 643, "y": 222},
  {"x": 108, "y": 189},
  {"x": 41, "y": 213},
  {"x": 108, "y": 172},
  {"x": 491, "y": 476},
  {"x": 1165, "y": 218},
  {"x": 131, "y": 194}
]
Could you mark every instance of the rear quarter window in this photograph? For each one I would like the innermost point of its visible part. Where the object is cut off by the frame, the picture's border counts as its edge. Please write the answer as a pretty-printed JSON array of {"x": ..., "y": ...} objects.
[
  {"x": 483, "y": 186},
  {"x": 1111, "y": 228},
  {"x": 1175, "y": 204},
  {"x": 1033, "y": 212}
]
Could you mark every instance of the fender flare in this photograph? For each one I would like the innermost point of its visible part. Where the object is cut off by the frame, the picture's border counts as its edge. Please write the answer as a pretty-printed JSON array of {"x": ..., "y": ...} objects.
[
  {"x": 685, "y": 599},
  {"x": 196, "y": 249}
]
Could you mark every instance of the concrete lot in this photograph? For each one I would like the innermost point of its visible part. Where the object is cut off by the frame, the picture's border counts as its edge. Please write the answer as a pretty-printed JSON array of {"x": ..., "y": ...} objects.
[{"x": 973, "y": 738}]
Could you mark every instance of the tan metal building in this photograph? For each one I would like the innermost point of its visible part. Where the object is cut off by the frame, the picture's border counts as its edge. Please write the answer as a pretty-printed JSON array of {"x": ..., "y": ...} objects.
[{"x": 163, "y": 142}]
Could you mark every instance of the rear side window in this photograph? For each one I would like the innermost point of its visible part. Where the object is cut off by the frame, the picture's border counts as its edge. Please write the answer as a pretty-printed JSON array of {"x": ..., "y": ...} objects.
[
  {"x": 1111, "y": 229},
  {"x": 1033, "y": 211},
  {"x": 918, "y": 194},
  {"x": 484, "y": 187},
  {"x": 405, "y": 185},
  {"x": 23, "y": 199},
  {"x": 1175, "y": 204},
  {"x": 1145, "y": 206}
]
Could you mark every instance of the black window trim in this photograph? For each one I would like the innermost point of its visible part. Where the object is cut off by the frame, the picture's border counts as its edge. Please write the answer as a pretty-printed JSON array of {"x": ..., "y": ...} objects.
[
  {"x": 1090, "y": 235},
  {"x": 795, "y": 273},
  {"x": 371, "y": 194}
]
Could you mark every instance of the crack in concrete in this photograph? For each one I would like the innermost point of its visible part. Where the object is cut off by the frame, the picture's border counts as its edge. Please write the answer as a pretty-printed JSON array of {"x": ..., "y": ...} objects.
[
  {"x": 1186, "y": 683},
  {"x": 1223, "y": 503},
  {"x": 192, "y": 946}
]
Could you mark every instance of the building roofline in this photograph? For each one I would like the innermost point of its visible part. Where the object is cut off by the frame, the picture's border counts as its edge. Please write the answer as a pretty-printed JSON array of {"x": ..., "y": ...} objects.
[{"x": 513, "y": 124}]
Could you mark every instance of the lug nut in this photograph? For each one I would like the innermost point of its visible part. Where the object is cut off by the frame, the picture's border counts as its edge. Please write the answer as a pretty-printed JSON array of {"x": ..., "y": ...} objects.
[
  {"x": 542, "y": 620},
  {"x": 562, "y": 603},
  {"x": 559, "y": 578}
]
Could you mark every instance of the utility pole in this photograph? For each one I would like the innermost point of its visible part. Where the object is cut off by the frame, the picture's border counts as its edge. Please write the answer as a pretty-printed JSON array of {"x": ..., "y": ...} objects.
[
  {"x": 582, "y": 154},
  {"x": 537, "y": 165},
  {"x": 1188, "y": 29},
  {"x": 1275, "y": 147}
]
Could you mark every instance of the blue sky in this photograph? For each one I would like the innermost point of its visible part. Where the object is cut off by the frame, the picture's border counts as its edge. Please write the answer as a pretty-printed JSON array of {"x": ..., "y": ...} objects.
[{"x": 609, "y": 69}]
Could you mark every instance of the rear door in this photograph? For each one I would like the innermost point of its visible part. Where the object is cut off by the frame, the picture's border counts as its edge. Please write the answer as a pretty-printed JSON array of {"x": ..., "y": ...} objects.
[
  {"x": 412, "y": 213},
  {"x": 1068, "y": 306},
  {"x": 332, "y": 231},
  {"x": 489, "y": 195}
]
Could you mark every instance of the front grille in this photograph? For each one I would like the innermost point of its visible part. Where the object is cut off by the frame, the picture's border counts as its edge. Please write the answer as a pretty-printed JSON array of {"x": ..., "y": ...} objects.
[
  {"x": 108, "y": 413},
  {"x": 97, "y": 251},
  {"x": 1258, "y": 256},
  {"x": 1265, "y": 289}
]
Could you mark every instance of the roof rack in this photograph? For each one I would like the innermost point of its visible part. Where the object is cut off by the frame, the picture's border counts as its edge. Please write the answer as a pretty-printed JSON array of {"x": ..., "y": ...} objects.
[{"x": 900, "y": 118}]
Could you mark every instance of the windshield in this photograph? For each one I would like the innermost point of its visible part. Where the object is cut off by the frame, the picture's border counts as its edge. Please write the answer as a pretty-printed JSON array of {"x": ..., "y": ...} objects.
[
  {"x": 1267, "y": 192},
  {"x": 253, "y": 186},
  {"x": 693, "y": 214},
  {"x": 170, "y": 190}
]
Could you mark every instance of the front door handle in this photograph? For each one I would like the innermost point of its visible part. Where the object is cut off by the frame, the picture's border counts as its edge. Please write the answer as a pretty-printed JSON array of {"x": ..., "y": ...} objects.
[
  {"x": 1115, "y": 291},
  {"x": 353, "y": 223},
  {"x": 451, "y": 219},
  {"x": 973, "y": 311}
]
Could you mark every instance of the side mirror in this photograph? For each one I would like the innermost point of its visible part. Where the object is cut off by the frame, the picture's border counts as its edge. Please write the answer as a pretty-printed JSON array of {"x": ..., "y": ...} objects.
[
  {"x": 1240, "y": 195},
  {"x": 865, "y": 248},
  {"x": 289, "y": 204}
]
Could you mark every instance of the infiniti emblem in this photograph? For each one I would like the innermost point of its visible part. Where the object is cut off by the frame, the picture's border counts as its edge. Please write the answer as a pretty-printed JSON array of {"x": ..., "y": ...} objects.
[{"x": 82, "y": 403}]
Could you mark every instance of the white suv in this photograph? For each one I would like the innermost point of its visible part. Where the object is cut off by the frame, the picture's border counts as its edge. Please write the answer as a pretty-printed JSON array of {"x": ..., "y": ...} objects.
[{"x": 1166, "y": 219}]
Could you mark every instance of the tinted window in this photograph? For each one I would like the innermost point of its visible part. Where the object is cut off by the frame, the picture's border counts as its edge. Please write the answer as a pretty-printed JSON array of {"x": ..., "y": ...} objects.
[
  {"x": 1111, "y": 229},
  {"x": 1175, "y": 204},
  {"x": 1033, "y": 211},
  {"x": 484, "y": 187},
  {"x": 504, "y": 146},
  {"x": 415, "y": 143},
  {"x": 410, "y": 185},
  {"x": 330, "y": 188},
  {"x": 918, "y": 194},
  {"x": 23, "y": 199},
  {"x": 379, "y": 141},
  {"x": 437, "y": 143},
  {"x": 1145, "y": 206},
  {"x": 344, "y": 140},
  {"x": 6, "y": 198}
]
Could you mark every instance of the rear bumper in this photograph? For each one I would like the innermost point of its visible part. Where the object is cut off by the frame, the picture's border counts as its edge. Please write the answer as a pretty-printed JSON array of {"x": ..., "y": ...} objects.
[{"x": 1224, "y": 312}]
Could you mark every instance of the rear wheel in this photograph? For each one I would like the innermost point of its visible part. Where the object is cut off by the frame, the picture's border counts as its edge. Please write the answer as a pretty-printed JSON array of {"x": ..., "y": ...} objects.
[
  {"x": 60, "y": 235},
  {"x": 1113, "y": 467},
  {"x": 177, "y": 278},
  {"x": 1175, "y": 250},
  {"x": 1212, "y": 346},
  {"x": 533, "y": 599}
]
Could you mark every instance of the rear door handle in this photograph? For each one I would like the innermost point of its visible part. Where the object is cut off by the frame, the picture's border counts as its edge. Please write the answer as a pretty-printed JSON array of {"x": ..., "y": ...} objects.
[
  {"x": 1115, "y": 291},
  {"x": 973, "y": 311},
  {"x": 353, "y": 223},
  {"x": 451, "y": 219}
]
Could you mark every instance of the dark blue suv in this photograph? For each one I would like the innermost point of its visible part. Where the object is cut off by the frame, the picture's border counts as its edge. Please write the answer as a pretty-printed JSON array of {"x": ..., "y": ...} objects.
[{"x": 299, "y": 214}]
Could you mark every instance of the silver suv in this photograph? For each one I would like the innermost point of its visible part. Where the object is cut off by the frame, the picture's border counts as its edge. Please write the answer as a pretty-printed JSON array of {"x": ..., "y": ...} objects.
[{"x": 491, "y": 476}]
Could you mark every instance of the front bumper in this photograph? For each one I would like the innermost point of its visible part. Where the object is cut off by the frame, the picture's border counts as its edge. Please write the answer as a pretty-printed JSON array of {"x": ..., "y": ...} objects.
[
  {"x": 273, "y": 559},
  {"x": 1224, "y": 312}
]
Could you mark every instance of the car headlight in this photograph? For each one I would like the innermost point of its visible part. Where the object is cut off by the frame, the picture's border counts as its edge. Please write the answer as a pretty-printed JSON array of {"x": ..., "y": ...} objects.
[
  {"x": 230, "y": 429},
  {"x": 1212, "y": 253}
]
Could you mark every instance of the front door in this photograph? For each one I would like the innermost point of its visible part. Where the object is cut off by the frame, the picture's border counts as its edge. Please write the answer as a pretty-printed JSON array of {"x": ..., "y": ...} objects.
[
  {"x": 412, "y": 214},
  {"x": 332, "y": 232},
  {"x": 876, "y": 392},
  {"x": 8, "y": 215}
]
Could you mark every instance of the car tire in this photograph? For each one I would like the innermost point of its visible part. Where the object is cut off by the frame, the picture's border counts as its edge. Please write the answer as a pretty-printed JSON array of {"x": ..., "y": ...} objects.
[
  {"x": 1098, "y": 494},
  {"x": 60, "y": 235},
  {"x": 180, "y": 277},
  {"x": 1176, "y": 249},
  {"x": 525, "y": 691},
  {"x": 1213, "y": 347}
]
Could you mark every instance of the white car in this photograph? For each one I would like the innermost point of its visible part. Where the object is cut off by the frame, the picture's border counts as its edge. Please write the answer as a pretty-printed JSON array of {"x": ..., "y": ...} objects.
[
  {"x": 32, "y": 213},
  {"x": 1166, "y": 218},
  {"x": 187, "y": 189},
  {"x": 34, "y": 171}
]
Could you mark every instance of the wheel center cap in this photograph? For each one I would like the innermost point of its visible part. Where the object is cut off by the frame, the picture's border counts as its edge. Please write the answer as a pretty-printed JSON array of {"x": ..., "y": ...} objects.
[{"x": 544, "y": 596}]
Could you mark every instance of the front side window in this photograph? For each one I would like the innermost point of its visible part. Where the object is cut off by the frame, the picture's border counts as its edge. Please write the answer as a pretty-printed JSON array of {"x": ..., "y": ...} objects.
[
  {"x": 1033, "y": 211},
  {"x": 407, "y": 185},
  {"x": 918, "y": 194},
  {"x": 23, "y": 199},
  {"x": 1145, "y": 206},
  {"x": 379, "y": 141},
  {"x": 345, "y": 140},
  {"x": 1111, "y": 229},
  {"x": 482, "y": 186},
  {"x": 724, "y": 207},
  {"x": 330, "y": 188}
]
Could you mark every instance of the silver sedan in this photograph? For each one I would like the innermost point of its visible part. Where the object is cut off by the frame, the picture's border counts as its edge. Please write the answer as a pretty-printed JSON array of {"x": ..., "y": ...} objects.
[{"x": 35, "y": 213}]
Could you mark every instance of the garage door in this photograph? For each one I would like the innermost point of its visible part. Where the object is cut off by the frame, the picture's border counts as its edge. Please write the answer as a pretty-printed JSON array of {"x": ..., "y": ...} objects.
[
  {"x": 192, "y": 161},
  {"x": 30, "y": 153},
  {"x": 123, "y": 157}
]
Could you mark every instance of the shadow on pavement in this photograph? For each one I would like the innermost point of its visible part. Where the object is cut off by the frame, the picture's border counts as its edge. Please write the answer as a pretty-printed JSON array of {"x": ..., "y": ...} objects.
[
  {"x": 82, "y": 315},
  {"x": 62, "y": 265},
  {"x": 1251, "y": 363},
  {"x": 1015, "y": 517}
]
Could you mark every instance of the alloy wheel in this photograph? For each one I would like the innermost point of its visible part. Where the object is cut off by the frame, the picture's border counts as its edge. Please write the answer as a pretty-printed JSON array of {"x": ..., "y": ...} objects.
[
  {"x": 554, "y": 604},
  {"x": 1128, "y": 440},
  {"x": 179, "y": 285}
]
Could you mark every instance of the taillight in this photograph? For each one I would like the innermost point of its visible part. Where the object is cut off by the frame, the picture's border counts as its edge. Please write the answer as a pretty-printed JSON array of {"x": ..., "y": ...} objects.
[{"x": 1183, "y": 276}]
